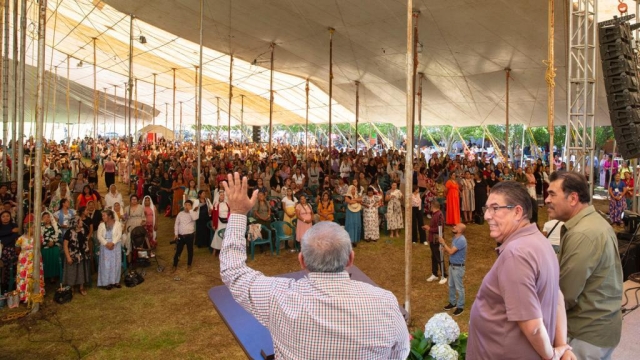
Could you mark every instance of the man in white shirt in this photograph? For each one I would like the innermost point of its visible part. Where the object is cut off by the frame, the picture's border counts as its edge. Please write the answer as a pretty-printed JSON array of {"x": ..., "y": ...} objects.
[
  {"x": 184, "y": 230},
  {"x": 551, "y": 230}
]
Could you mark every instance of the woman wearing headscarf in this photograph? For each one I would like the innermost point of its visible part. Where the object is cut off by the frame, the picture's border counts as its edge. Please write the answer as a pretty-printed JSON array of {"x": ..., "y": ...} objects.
[
  {"x": 26, "y": 244},
  {"x": 8, "y": 237},
  {"x": 118, "y": 212},
  {"x": 62, "y": 192},
  {"x": 219, "y": 218},
  {"x": 109, "y": 236},
  {"x": 50, "y": 231},
  {"x": 77, "y": 269},
  {"x": 112, "y": 196},
  {"x": 64, "y": 215},
  {"x": 150, "y": 220}
]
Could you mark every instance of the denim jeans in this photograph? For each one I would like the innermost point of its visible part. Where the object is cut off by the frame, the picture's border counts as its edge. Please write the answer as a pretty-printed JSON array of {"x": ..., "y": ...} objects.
[{"x": 456, "y": 273}]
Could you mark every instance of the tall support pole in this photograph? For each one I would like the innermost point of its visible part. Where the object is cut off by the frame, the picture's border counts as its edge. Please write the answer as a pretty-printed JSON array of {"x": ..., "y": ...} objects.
[
  {"x": 331, "y": 31},
  {"x": 196, "y": 97},
  {"x": 414, "y": 51},
  {"x": 242, "y": 118},
  {"x": 551, "y": 84},
  {"x": 5, "y": 89},
  {"x": 37, "y": 188},
  {"x": 166, "y": 115},
  {"x": 79, "y": 112},
  {"x": 135, "y": 108},
  {"x": 634, "y": 163},
  {"x": 420, "y": 78},
  {"x": 14, "y": 127},
  {"x": 524, "y": 130},
  {"x": 408, "y": 163},
  {"x": 21, "y": 110},
  {"x": 68, "y": 101},
  {"x": 96, "y": 99},
  {"x": 218, "y": 116},
  {"x": 230, "y": 94},
  {"x": 55, "y": 92},
  {"x": 306, "y": 120},
  {"x": 581, "y": 80},
  {"x": 507, "y": 73},
  {"x": 130, "y": 89},
  {"x": 104, "y": 116},
  {"x": 173, "y": 104},
  {"x": 153, "y": 111},
  {"x": 355, "y": 146},
  {"x": 273, "y": 47},
  {"x": 199, "y": 110},
  {"x": 115, "y": 106}
]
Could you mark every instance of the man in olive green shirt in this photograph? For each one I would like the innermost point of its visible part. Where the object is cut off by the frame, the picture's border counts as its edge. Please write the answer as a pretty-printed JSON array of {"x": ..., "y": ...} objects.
[{"x": 590, "y": 270}]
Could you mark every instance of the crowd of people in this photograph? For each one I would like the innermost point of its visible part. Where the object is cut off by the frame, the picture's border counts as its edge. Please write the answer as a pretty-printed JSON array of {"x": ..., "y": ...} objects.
[{"x": 361, "y": 192}]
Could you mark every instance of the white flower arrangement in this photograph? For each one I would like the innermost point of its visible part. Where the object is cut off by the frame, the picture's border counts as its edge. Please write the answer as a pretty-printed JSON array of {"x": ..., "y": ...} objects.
[
  {"x": 443, "y": 352},
  {"x": 442, "y": 329}
]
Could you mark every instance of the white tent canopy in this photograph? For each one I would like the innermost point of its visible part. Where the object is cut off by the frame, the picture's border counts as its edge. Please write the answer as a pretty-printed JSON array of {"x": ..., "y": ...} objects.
[
  {"x": 465, "y": 48},
  {"x": 158, "y": 129}
]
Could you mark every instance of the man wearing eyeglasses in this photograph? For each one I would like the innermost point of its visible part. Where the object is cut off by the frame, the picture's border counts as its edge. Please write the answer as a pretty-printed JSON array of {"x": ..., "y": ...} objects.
[
  {"x": 518, "y": 312},
  {"x": 590, "y": 269}
]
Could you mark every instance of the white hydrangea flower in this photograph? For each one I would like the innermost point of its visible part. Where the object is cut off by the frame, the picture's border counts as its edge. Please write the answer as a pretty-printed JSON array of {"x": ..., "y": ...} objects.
[
  {"x": 442, "y": 329},
  {"x": 443, "y": 352}
]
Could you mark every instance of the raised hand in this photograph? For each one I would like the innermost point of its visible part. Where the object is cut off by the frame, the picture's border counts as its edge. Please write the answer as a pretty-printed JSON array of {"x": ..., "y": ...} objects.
[{"x": 236, "y": 194}]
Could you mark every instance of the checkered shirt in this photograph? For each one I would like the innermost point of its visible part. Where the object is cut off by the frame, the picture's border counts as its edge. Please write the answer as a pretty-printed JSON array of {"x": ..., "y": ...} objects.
[{"x": 321, "y": 316}]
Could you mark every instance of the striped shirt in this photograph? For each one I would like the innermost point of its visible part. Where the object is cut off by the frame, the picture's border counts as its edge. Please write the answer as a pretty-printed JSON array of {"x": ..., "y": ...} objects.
[{"x": 321, "y": 316}]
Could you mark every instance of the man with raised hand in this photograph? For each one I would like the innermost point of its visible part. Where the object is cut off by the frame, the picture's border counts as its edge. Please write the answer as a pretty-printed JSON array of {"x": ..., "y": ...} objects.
[{"x": 324, "y": 315}]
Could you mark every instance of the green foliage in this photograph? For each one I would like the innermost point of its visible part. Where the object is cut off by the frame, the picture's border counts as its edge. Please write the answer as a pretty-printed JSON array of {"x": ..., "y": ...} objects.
[{"x": 421, "y": 346}]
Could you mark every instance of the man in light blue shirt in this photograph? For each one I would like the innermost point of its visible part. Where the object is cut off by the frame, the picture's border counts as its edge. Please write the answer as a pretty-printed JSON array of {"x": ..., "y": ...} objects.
[{"x": 457, "y": 257}]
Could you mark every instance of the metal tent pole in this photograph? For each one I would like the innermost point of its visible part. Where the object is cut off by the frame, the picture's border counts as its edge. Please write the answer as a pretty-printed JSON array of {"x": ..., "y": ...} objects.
[
  {"x": 130, "y": 88},
  {"x": 242, "y": 118},
  {"x": 153, "y": 111},
  {"x": 173, "y": 106},
  {"x": 306, "y": 120},
  {"x": 135, "y": 109},
  {"x": 104, "y": 116},
  {"x": 420, "y": 78},
  {"x": 55, "y": 91},
  {"x": 5, "y": 89},
  {"x": 408, "y": 162},
  {"x": 357, "y": 113},
  {"x": 550, "y": 76},
  {"x": 273, "y": 47},
  {"x": 195, "y": 98},
  {"x": 230, "y": 94},
  {"x": 68, "y": 102},
  {"x": 37, "y": 201},
  {"x": 21, "y": 110},
  {"x": 199, "y": 110},
  {"x": 331, "y": 31},
  {"x": 14, "y": 127},
  {"x": 96, "y": 99},
  {"x": 506, "y": 132}
]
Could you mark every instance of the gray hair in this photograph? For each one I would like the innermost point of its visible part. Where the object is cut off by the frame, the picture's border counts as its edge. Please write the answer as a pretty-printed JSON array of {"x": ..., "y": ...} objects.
[
  {"x": 515, "y": 194},
  {"x": 326, "y": 248}
]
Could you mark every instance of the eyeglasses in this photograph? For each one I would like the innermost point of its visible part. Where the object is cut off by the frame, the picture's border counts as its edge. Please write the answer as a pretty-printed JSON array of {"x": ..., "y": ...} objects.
[{"x": 493, "y": 209}]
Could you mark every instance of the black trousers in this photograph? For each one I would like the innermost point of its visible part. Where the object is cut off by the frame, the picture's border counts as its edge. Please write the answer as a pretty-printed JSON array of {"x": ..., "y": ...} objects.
[
  {"x": 435, "y": 260},
  {"x": 182, "y": 241},
  {"x": 418, "y": 221},
  {"x": 109, "y": 179}
]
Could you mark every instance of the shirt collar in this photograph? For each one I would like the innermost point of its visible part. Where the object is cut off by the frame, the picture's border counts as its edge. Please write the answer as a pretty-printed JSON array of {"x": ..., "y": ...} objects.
[
  {"x": 579, "y": 216},
  {"x": 329, "y": 276},
  {"x": 527, "y": 230}
]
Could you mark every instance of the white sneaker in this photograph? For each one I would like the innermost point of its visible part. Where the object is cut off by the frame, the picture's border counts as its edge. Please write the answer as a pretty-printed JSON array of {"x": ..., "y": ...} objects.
[
  {"x": 426, "y": 243},
  {"x": 443, "y": 281},
  {"x": 432, "y": 278}
]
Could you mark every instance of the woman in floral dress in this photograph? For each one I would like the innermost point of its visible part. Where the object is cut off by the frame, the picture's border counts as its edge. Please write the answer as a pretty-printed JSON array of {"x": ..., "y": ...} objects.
[
  {"x": 50, "y": 231},
  {"x": 468, "y": 199},
  {"x": 77, "y": 269},
  {"x": 370, "y": 216},
  {"x": 394, "y": 210},
  {"x": 25, "y": 264}
]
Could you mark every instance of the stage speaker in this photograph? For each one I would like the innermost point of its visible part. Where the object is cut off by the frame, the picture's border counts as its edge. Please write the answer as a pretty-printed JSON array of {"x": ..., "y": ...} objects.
[
  {"x": 629, "y": 257},
  {"x": 256, "y": 134},
  {"x": 620, "y": 71}
]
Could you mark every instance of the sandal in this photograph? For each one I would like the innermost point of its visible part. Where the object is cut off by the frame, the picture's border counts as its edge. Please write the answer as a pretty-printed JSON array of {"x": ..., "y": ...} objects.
[
  {"x": 117, "y": 286},
  {"x": 108, "y": 287},
  {"x": 83, "y": 292}
]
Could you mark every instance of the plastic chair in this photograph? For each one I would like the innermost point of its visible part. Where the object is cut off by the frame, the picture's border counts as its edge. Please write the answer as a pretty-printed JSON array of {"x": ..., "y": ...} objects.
[
  {"x": 278, "y": 227},
  {"x": 261, "y": 241}
]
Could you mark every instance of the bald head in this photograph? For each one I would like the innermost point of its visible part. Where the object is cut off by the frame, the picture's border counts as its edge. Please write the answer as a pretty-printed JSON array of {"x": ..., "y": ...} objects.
[{"x": 459, "y": 228}]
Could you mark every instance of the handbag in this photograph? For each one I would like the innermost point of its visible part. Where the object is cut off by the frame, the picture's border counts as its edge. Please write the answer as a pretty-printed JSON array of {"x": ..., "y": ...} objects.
[
  {"x": 133, "y": 279},
  {"x": 63, "y": 295}
]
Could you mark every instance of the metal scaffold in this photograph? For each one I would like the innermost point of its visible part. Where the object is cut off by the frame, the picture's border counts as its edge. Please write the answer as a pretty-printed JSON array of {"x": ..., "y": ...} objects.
[{"x": 581, "y": 85}]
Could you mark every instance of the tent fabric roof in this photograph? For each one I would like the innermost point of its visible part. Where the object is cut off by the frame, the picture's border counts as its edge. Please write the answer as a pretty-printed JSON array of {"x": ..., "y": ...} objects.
[
  {"x": 466, "y": 47},
  {"x": 158, "y": 129}
]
